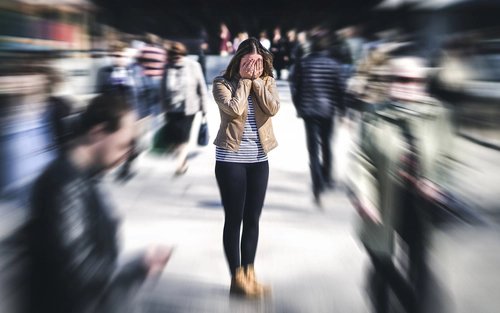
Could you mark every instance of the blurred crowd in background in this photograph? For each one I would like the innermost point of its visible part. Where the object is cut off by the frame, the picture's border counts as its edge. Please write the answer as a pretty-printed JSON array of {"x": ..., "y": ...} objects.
[
  {"x": 55, "y": 58},
  {"x": 408, "y": 78}
]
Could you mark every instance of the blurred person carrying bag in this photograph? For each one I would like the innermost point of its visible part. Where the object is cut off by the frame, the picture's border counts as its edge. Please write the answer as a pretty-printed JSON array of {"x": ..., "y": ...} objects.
[
  {"x": 174, "y": 101},
  {"x": 183, "y": 94},
  {"x": 161, "y": 144}
]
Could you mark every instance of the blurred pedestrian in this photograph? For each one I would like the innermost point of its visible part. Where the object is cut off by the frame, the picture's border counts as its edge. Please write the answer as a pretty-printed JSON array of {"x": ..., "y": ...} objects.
[
  {"x": 290, "y": 46},
  {"x": 58, "y": 110},
  {"x": 368, "y": 88},
  {"x": 135, "y": 82},
  {"x": 303, "y": 47},
  {"x": 247, "y": 98},
  {"x": 226, "y": 46},
  {"x": 184, "y": 93},
  {"x": 340, "y": 51},
  {"x": 317, "y": 92},
  {"x": 145, "y": 84},
  {"x": 264, "y": 41},
  {"x": 403, "y": 168},
  {"x": 355, "y": 41},
  {"x": 239, "y": 39},
  {"x": 152, "y": 57},
  {"x": 72, "y": 227},
  {"x": 300, "y": 49},
  {"x": 117, "y": 78},
  {"x": 278, "y": 48},
  {"x": 203, "y": 51}
]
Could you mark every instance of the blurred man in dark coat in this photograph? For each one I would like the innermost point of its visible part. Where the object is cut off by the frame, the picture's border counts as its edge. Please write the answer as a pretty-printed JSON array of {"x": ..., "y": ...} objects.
[
  {"x": 317, "y": 92},
  {"x": 73, "y": 228}
]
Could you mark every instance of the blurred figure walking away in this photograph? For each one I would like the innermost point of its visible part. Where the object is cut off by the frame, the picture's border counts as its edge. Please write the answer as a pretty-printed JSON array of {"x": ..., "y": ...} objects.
[
  {"x": 117, "y": 78},
  {"x": 58, "y": 110},
  {"x": 340, "y": 51},
  {"x": 203, "y": 50},
  {"x": 402, "y": 171},
  {"x": 184, "y": 93},
  {"x": 317, "y": 92},
  {"x": 264, "y": 41},
  {"x": 247, "y": 98},
  {"x": 226, "y": 46},
  {"x": 303, "y": 47},
  {"x": 137, "y": 83},
  {"x": 72, "y": 227},
  {"x": 146, "y": 73},
  {"x": 299, "y": 49},
  {"x": 278, "y": 48},
  {"x": 290, "y": 46},
  {"x": 238, "y": 40},
  {"x": 152, "y": 58},
  {"x": 355, "y": 41}
]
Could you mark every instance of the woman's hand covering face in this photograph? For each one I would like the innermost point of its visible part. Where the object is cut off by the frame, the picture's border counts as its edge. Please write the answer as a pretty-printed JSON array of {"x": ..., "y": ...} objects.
[
  {"x": 259, "y": 68},
  {"x": 247, "y": 69},
  {"x": 251, "y": 66}
]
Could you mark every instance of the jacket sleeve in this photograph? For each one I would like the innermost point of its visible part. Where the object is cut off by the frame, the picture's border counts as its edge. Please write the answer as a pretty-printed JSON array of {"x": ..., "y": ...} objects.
[
  {"x": 201, "y": 87},
  {"x": 267, "y": 96},
  {"x": 230, "y": 105}
]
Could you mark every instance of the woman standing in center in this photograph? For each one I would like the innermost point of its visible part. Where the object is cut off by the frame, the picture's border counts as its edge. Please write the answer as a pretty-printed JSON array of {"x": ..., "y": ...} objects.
[{"x": 247, "y": 98}]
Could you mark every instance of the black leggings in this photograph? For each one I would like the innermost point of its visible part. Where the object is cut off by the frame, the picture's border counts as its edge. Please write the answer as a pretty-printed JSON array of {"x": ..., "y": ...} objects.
[{"x": 242, "y": 188}]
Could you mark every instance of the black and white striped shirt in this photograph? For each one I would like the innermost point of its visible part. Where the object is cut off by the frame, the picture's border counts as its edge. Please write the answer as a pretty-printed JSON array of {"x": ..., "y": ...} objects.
[{"x": 250, "y": 150}]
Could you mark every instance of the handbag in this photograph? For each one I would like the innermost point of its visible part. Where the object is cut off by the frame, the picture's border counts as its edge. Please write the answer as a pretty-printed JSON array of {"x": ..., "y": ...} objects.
[{"x": 203, "y": 135}]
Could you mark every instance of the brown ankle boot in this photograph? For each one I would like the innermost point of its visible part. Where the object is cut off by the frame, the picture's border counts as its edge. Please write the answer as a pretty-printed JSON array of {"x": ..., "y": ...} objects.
[
  {"x": 239, "y": 284},
  {"x": 252, "y": 281}
]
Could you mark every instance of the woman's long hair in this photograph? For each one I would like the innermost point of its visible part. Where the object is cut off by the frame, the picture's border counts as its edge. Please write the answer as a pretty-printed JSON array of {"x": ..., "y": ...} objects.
[{"x": 249, "y": 46}]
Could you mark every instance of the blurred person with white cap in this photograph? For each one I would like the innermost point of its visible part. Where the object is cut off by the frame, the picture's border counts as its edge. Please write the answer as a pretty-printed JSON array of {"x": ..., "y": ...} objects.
[{"x": 400, "y": 169}]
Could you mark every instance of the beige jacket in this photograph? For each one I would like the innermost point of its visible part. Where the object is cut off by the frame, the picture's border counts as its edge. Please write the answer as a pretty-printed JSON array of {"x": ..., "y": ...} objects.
[{"x": 232, "y": 99}]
